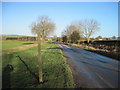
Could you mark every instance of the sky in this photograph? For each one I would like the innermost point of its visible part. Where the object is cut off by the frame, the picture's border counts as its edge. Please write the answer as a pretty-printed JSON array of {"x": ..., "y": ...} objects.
[{"x": 18, "y": 16}]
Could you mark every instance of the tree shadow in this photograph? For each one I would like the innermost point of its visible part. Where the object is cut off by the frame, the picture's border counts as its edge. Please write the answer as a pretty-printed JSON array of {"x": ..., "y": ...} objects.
[
  {"x": 27, "y": 43},
  {"x": 28, "y": 69},
  {"x": 6, "y": 74},
  {"x": 52, "y": 52},
  {"x": 51, "y": 42},
  {"x": 55, "y": 48},
  {"x": 24, "y": 74}
]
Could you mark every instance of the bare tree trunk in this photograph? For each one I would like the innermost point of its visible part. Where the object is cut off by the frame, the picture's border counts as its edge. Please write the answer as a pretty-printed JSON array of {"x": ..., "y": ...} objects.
[
  {"x": 39, "y": 58},
  {"x": 43, "y": 39},
  {"x": 88, "y": 40}
]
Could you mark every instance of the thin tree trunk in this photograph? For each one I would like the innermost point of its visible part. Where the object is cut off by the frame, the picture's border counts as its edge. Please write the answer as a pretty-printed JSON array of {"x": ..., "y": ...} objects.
[
  {"x": 43, "y": 39},
  {"x": 88, "y": 40},
  {"x": 39, "y": 58}
]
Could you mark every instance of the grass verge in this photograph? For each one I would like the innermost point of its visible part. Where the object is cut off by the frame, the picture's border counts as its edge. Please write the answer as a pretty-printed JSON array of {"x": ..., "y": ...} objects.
[
  {"x": 56, "y": 71},
  {"x": 112, "y": 55}
]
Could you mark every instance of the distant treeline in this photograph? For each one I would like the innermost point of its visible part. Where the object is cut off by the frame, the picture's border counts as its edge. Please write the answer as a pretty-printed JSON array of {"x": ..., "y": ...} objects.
[{"x": 24, "y": 38}]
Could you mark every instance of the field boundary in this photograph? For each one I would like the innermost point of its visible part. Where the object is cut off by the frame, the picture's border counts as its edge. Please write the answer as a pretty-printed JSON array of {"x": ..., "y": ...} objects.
[{"x": 8, "y": 51}]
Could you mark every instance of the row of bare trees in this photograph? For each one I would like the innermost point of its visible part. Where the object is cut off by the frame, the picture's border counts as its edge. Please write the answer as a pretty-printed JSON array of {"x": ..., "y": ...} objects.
[{"x": 81, "y": 29}]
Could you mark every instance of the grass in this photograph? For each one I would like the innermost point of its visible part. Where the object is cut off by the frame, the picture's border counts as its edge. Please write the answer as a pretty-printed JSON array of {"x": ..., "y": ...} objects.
[
  {"x": 81, "y": 47},
  {"x": 16, "y": 36},
  {"x": 13, "y": 44},
  {"x": 85, "y": 48},
  {"x": 56, "y": 72}
]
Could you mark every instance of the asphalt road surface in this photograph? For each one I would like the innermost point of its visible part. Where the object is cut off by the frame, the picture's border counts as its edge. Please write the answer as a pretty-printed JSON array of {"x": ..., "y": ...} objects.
[{"x": 96, "y": 71}]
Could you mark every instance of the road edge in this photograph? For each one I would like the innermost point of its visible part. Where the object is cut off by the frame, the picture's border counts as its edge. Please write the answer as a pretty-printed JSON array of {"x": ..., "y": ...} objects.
[{"x": 75, "y": 74}]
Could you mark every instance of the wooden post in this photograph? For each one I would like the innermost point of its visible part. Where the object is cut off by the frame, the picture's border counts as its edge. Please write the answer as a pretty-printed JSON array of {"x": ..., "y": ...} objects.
[{"x": 39, "y": 58}]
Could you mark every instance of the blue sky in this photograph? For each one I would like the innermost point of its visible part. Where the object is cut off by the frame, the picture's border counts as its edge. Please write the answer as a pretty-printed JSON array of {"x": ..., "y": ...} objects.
[{"x": 18, "y": 16}]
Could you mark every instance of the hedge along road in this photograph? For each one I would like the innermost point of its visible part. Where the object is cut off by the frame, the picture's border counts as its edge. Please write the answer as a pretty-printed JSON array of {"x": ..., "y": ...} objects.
[{"x": 94, "y": 71}]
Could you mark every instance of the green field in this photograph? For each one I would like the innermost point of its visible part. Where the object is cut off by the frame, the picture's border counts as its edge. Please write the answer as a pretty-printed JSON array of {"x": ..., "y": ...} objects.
[
  {"x": 14, "y": 36},
  {"x": 14, "y": 44},
  {"x": 56, "y": 73}
]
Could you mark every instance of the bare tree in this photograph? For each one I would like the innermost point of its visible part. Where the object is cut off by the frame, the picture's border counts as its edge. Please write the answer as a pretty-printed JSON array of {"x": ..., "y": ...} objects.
[
  {"x": 99, "y": 38},
  {"x": 114, "y": 37},
  {"x": 89, "y": 27},
  {"x": 64, "y": 38},
  {"x": 43, "y": 27},
  {"x": 70, "y": 29},
  {"x": 75, "y": 36}
]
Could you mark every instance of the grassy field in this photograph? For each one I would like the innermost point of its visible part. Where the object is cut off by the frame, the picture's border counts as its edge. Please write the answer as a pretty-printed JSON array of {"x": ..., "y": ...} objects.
[
  {"x": 13, "y": 44},
  {"x": 16, "y": 36},
  {"x": 56, "y": 72}
]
